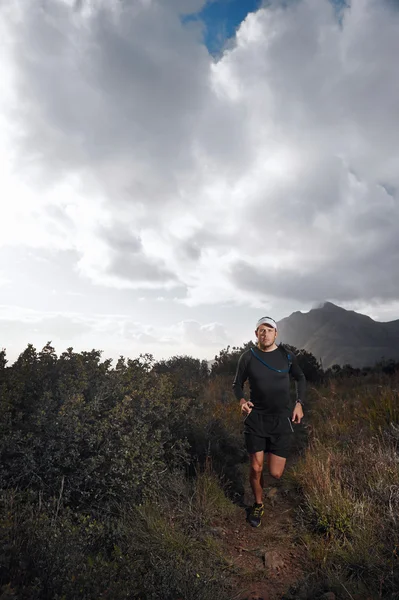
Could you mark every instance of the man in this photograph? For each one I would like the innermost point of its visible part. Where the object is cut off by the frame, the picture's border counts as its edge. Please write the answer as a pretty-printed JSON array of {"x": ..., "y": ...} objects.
[{"x": 269, "y": 413}]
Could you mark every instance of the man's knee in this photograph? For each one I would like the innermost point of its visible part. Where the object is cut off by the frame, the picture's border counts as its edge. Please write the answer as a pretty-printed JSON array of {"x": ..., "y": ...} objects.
[
  {"x": 276, "y": 466},
  {"x": 256, "y": 468},
  {"x": 277, "y": 473}
]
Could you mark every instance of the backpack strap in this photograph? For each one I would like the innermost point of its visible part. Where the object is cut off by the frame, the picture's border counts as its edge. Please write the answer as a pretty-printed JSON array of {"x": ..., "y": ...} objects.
[
  {"x": 284, "y": 350},
  {"x": 273, "y": 368}
]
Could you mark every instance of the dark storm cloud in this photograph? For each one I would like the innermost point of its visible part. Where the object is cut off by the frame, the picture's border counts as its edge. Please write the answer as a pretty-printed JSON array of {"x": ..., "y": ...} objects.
[
  {"x": 136, "y": 267},
  {"x": 274, "y": 170},
  {"x": 362, "y": 273},
  {"x": 128, "y": 260},
  {"x": 122, "y": 91},
  {"x": 115, "y": 85}
]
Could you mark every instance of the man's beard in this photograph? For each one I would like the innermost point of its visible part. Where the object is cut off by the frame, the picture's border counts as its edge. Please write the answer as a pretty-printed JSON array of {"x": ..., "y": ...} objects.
[{"x": 264, "y": 345}]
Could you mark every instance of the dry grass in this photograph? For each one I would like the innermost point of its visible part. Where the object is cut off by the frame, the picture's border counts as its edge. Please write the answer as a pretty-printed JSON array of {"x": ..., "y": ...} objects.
[{"x": 349, "y": 480}]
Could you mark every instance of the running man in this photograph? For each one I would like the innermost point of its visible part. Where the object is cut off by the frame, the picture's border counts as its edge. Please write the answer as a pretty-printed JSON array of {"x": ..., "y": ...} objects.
[{"x": 269, "y": 413}]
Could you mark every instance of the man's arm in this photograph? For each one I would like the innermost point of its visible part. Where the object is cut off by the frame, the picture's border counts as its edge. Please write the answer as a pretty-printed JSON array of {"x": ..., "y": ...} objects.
[
  {"x": 238, "y": 384},
  {"x": 300, "y": 386}
]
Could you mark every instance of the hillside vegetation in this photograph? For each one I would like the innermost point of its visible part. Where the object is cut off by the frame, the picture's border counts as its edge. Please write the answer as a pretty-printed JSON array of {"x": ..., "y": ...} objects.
[{"x": 113, "y": 479}]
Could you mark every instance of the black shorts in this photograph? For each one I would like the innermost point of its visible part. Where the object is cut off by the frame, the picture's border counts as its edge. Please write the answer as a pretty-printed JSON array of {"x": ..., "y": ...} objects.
[{"x": 268, "y": 433}]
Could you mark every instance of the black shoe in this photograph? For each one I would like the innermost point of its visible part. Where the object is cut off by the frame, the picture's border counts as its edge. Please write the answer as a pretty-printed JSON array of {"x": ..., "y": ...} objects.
[{"x": 255, "y": 515}]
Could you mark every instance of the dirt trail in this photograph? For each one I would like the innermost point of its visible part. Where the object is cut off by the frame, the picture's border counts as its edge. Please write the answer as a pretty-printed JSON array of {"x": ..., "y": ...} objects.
[{"x": 265, "y": 561}]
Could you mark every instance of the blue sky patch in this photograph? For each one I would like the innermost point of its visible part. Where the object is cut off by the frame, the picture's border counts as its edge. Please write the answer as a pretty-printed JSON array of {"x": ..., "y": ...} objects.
[{"x": 221, "y": 19}]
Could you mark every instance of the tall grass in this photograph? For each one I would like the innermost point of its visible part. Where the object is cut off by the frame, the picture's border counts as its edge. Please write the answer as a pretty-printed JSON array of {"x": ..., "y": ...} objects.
[
  {"x": 159, "y": 550},
  {"x": 349, "y": 481}
]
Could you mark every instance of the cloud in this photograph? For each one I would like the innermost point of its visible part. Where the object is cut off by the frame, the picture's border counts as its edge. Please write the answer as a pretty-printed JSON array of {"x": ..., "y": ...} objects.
[
  {"x": 203, "y": 335},
  {"x": 113, "y": 333},
  {"x": 128, "y": 261},
  {"x": 346, "y": 259},
  {"x": 269, "y": 174},
  {"x": 188, "y": 333},
  {"x": 33, "y": 324}
]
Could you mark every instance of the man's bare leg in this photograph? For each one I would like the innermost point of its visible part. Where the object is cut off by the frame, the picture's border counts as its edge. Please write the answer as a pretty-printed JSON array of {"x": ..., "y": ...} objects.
[
  {"x": 256, "y": 475},
  {"x": 276, "y": 465}
]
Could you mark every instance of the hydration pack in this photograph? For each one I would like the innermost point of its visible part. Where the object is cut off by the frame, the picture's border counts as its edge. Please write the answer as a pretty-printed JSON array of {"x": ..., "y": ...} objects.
[{"x": 284, "y": 351}]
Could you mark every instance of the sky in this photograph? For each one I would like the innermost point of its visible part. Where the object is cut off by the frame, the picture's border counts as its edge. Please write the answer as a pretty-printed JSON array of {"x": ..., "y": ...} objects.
[{"x": 172, "y": 170}]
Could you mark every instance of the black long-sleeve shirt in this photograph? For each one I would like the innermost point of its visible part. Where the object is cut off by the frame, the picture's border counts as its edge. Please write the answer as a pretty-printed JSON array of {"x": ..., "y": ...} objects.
[{"x": 269, "y": 388}]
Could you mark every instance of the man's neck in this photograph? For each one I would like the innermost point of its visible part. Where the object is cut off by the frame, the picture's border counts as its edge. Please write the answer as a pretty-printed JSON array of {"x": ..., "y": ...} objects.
[{"x": 268, "y": 348}]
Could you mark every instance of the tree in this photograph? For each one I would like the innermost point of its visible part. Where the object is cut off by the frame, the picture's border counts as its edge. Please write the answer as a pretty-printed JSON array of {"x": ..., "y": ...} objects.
[
  {"x": 308, "y": 363},
  {"x": 188, "y": 375},
  {"x": 5, "y": 414},
  {"x": 25, "y": 385},
  {"x": 389, "y": 366},
  {"x": 225, "y": 362}
]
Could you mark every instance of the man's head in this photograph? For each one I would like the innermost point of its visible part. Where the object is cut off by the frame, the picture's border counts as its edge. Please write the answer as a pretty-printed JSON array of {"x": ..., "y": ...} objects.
[{"x": 266, "y": 333}]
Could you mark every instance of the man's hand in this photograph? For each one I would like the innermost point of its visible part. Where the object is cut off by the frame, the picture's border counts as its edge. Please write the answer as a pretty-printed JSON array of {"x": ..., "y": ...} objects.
[
  {"x": 297, "y": 415},
  {"x": 246, "y": 406}
]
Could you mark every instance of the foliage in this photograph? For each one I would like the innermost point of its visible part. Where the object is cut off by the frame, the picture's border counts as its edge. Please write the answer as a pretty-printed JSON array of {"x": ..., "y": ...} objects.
[
  {"x": 225, "y": 363},
  {"x": 101, "y": 435},
  {"x": 188, "y": 375},
  {"x": 148, "y": 550},
  {"x": 102, "y": 494},
  {"x": 112, "y": 478},
  {"x": 308, "y": 363},
  {"x": 349, "y": 479}
]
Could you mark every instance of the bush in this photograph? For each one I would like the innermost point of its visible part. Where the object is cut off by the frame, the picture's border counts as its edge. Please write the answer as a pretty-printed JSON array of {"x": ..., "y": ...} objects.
[{"x": 95, "y": 498}]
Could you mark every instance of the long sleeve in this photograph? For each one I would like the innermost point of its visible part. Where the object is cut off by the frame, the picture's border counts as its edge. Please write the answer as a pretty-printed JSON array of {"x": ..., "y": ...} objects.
[
  {"x": 241, "y": 376},
  {"x": 300, "y": 380}
]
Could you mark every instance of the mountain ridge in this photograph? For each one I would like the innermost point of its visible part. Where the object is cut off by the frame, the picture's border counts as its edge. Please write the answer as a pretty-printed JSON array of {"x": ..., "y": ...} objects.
[{"x": 335, "y": 335}]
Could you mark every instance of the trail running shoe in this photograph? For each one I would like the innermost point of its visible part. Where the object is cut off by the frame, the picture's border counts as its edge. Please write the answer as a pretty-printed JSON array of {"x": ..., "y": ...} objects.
[{"x": 255, "y": 515}]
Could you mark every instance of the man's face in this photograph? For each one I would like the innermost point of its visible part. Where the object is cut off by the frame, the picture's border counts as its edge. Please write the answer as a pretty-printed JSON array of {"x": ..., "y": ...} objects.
[{"x": 266, "y": 335}]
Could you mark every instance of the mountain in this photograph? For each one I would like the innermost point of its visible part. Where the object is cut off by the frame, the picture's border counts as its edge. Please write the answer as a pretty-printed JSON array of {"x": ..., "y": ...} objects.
[{"x": 338, "y": 336}]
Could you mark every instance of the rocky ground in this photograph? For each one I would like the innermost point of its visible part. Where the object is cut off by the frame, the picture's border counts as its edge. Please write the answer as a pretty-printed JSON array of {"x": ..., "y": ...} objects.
[{"x": 266, "y": 562}]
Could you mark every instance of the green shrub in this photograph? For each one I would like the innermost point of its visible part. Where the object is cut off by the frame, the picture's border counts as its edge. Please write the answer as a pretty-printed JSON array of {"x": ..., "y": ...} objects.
[{"x": 95, "y": 497}]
